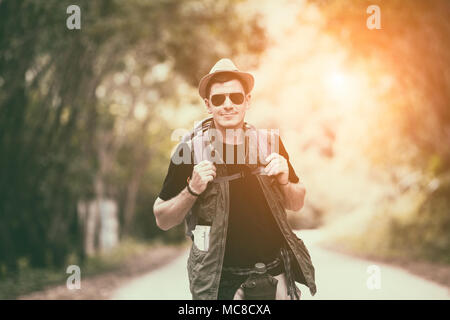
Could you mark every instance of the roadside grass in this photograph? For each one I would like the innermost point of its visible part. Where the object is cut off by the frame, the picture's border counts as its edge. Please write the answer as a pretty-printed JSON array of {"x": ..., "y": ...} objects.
[
  {"x": 28, "y": 280},
  {"x": 414, "y": 224},
  {"x": 411, "y": 231},
  {"x": 386, "y": 237}
]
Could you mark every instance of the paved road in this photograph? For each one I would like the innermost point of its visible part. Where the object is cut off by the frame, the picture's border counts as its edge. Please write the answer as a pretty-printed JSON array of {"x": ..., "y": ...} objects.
[{"x": 338, "y": 276}]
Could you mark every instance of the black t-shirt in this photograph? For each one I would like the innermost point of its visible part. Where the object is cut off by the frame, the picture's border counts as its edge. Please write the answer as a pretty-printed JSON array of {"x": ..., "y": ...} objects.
[{"x": 253, "y": 234}]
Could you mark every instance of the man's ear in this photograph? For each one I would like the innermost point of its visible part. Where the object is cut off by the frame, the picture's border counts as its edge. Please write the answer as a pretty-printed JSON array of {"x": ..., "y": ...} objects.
[{"x": 208, "y": 105}]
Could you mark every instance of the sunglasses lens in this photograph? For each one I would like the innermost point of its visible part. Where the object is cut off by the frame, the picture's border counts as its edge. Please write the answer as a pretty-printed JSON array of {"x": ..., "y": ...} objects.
[
  {"x": 237, "y": 98},
  {"x": 218, "y": 99}
]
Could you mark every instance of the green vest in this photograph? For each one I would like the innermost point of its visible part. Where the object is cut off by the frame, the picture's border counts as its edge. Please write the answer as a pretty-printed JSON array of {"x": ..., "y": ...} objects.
[{"x": 212, "y": 207}]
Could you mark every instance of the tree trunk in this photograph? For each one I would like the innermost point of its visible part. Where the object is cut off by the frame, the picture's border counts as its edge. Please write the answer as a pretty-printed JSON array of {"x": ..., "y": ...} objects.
[{"x": 132, "y": 191}]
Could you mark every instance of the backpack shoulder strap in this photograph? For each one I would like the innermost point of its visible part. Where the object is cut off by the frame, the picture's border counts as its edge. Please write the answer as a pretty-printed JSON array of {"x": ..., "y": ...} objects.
[{"x": 199, "y": 145}]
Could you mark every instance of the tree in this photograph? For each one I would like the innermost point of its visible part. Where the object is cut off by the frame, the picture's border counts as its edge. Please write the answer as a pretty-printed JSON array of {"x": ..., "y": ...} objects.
[{"x": 58, "y": 139}]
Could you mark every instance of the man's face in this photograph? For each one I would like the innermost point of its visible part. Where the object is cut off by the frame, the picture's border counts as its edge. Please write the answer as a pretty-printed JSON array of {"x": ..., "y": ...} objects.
[{"x": 231, "y": 112}]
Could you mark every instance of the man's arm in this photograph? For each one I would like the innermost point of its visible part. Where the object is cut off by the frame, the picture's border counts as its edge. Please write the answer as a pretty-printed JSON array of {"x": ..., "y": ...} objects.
[
  {"x": 294, "y": 193},
  {"x": 171, "y": 212}
]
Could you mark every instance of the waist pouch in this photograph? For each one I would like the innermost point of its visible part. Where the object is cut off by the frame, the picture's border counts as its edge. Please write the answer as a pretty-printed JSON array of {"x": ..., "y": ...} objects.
[{"x": 261, "y": 287}]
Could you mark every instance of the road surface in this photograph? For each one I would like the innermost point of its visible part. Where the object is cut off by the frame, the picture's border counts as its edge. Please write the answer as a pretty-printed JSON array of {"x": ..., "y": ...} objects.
[{"x": 338, "y": 276}]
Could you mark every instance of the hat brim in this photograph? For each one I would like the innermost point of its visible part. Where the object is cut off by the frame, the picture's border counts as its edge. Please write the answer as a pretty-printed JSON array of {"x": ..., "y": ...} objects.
[{"x": 244, "y": 76}]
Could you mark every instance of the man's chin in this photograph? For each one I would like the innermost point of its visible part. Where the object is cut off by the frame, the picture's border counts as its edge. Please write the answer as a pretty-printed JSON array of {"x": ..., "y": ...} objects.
[{"x": 230, "y": 124}]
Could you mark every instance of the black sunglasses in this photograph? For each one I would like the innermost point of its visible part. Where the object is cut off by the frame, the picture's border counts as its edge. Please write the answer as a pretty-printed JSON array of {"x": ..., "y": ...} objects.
[{"x": 219, "y": 99}]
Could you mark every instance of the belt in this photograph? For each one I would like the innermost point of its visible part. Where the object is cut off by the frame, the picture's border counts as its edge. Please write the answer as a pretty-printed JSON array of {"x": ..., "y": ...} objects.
[{"x": 246, "y": 271}]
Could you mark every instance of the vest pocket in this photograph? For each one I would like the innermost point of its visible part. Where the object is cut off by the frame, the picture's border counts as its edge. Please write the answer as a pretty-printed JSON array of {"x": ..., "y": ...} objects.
[
  {"x": 207, "y": 204},
  {"x": 194, "y": 264},
  {"x": 196, "y": 257},
  {"x": 197, "y": 254}
]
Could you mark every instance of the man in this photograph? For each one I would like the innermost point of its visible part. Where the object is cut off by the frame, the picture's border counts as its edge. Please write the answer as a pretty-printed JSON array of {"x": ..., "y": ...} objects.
[{"x": 230, "y": 185}]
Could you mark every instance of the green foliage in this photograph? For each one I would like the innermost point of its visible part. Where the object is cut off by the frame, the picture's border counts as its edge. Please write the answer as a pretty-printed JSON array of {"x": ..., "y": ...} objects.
[
  {"x": 426, "y": 234},
  {"x": 412, "y": 226},
  {"x": 28, "y": 279},
  {"x": 55, "y": 130}
]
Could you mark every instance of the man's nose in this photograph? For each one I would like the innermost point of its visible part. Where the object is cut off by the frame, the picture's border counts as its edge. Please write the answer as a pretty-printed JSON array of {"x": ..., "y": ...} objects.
[{"x": 227, "y": 103}]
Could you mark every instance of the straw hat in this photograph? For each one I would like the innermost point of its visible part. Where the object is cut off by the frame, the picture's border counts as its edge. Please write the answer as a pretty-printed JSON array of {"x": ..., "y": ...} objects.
[{"x": 225, "y": 66}]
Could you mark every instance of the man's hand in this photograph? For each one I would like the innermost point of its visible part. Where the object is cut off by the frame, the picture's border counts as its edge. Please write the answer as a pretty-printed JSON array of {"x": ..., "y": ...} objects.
[
  {"x": 277, "y": 166},
  {"x": 203, "y": 172}
]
